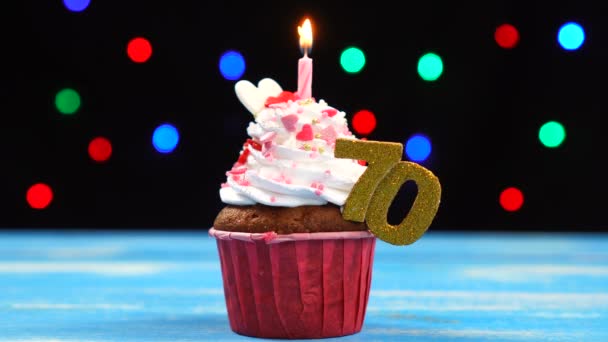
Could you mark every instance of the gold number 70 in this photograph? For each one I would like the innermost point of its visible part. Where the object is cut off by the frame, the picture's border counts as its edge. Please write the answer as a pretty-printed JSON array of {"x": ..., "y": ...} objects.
[{"x": 372, "y": 195}]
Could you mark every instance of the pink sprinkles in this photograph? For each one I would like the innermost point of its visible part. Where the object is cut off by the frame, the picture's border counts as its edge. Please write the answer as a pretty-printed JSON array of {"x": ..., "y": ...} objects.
[
  {"x": 305, "y": 134},
  {"x": 329, "y": 134},
  {"x": 237, "y": 170},
  {"x": 318, "y": 188},
  {"x": 330, "y": 112},
  {"x": 269, "y": 236},
  {"x": 290, "y": 121},
  {"x": 282, "y": 179}
]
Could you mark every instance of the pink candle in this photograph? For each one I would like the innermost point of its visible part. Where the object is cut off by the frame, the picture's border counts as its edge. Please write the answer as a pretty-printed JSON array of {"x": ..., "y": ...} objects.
[
  {"x": 305, "y": 77},
  {"x": 305, "y": 63}
]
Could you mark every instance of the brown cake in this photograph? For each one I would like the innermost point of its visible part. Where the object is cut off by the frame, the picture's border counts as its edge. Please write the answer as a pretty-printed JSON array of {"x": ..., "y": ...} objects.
[{"x": 281, "y": 220}]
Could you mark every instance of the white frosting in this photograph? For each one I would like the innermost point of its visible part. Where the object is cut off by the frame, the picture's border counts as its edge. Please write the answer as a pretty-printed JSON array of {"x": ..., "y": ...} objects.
[{"x": 291, "y": 160}]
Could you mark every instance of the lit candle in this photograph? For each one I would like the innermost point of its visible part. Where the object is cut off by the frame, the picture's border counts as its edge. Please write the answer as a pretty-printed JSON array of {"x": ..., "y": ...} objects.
[{"x": 305, "y": 63}]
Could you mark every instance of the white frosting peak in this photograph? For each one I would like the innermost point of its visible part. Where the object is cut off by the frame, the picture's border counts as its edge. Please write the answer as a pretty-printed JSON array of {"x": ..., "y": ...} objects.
[{"x": 289, "y": 159}]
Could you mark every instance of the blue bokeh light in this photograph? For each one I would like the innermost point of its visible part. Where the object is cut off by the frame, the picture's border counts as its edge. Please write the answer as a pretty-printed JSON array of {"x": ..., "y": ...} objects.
[
  {"x": 571, "y": 36},
  {"x": 232, "y": 65},
  {"x": 76, "y": 5},
  {"x": 418, "y": 147},
  {"x": 165, "y": 138}
]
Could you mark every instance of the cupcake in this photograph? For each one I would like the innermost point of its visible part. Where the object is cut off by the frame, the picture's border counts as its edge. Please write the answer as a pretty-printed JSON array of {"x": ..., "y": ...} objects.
[
  {"x": 292, "y": 266},
  {"x": 296, "y": 237}
]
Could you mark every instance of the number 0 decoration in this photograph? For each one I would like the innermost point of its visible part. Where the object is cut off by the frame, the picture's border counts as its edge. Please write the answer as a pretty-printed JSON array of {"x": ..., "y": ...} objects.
[{"x": 377, "y": 187}]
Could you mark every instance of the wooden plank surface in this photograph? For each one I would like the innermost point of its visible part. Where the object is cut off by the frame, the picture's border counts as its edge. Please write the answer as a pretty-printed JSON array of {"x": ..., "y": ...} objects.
[{"x": 134, "y": 286}]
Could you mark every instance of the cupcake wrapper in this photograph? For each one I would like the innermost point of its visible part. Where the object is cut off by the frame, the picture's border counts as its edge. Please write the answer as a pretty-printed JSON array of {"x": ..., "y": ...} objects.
[{"x": 305, "y": 286}]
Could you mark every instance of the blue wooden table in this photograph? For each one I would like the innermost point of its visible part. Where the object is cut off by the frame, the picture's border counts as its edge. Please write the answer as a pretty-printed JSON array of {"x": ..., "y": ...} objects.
[{"x": 134, "y": 286}]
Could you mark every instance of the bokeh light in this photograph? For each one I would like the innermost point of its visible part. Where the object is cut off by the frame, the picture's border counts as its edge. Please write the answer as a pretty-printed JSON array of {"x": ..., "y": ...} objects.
[
  {"x": 76, "y": 5},
  {"x": 506, "y": 36},
  {"x": 430, "y": 67},
  {"x": 232, "y": 65},
  {"x": 552, "y": 134},
  {"x": 511, "y": 199},
  {"x": 139, "y": 50},
  {"x": 39, "y": 196},
  {"x": 418, "y": 147},
  {"x": 352, "y": 60},
  {"x": 364, "y": 122},
  {"x": 100, "y": 149},
  {"x": 571, "y": 36},
  {"x": 165, "y": 138},
  {"x": 67, "y": 101}
]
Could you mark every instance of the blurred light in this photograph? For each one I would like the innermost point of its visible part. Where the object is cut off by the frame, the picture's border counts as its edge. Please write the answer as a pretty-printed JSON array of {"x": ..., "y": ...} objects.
[
  {"x": 100, "y": 149},
  {"x": 430, "y": 67},
  {"x": 506, "y": 36},
  {"x": 39, "y": 196},
  {"x": 418, "y": 147},
  {"x": 352, "y": 60},
  {"x": 511, "y": 199},
  {"x": 67, "y": 101},
  {"x": 165, "y": 138},
  {"x": 232, "y": 65},
  {"x": 571, "y": 36},
  {"x": 139, "y": 50},
  {"x": 364, "y": 122},
  {"x": 76, "y": 5},
  {"x": 552, "y": 134}
]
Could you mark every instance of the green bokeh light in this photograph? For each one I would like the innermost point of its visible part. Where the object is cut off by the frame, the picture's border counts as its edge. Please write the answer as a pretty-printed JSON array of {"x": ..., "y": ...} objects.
[
  {"x": 67, "y": 101},
  {"x": 430, "y": 67},
  {"x": 352, "y": 60},
  {"x": 552, "y": 134}
]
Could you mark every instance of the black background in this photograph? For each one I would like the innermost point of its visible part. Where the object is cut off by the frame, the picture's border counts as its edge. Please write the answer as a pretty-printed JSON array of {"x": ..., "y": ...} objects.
[{"x": 482, "y": 115}]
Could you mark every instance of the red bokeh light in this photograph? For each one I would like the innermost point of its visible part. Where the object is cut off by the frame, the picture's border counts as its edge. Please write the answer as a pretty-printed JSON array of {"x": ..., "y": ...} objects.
[
  {"x": 139, "y": 50},
  {"x": 506, "y": 36},
  {"x": 511, "y": 199},
  {"x": 364, "y": 122},
  {"x": 39, "y": 196},
  {"x": 100, "y": 149}
]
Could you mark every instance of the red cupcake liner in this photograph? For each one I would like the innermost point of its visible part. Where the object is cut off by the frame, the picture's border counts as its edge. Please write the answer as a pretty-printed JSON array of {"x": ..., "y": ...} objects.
[{"x": 298, "y": 285}]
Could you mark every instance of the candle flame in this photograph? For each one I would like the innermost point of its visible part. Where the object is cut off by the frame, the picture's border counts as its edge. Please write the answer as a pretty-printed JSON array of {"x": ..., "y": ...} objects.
[{"x": 305, "y": 32}]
